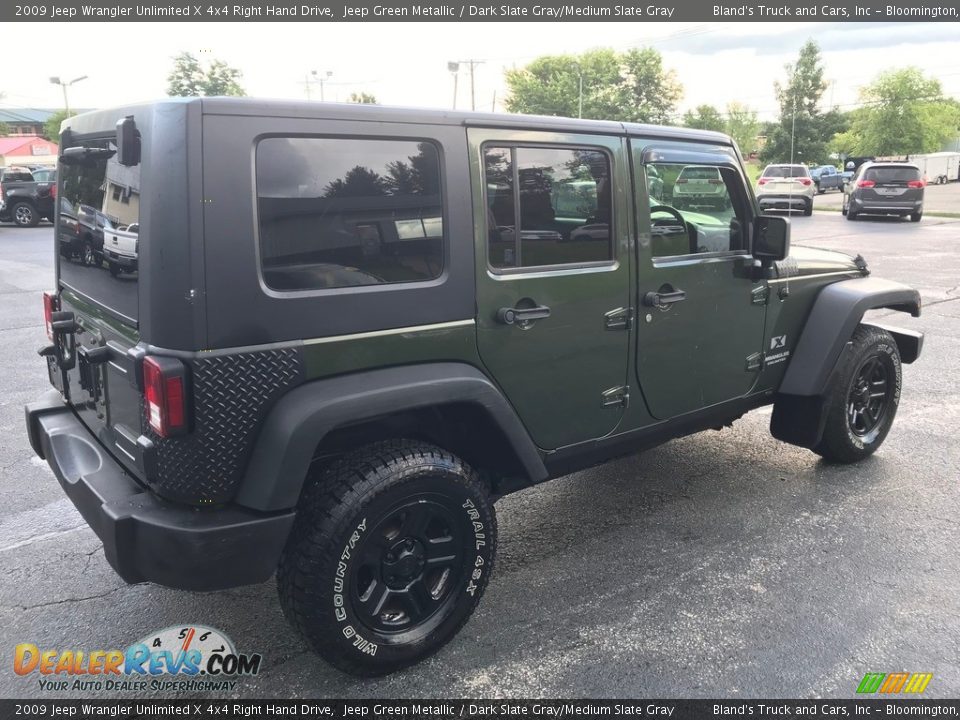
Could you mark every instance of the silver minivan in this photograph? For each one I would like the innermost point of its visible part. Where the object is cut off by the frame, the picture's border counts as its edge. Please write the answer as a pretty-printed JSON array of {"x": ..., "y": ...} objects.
[{"x": 885, "y": 188}]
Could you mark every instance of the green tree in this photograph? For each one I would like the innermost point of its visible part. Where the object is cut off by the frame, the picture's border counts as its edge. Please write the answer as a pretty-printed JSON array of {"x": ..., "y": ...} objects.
[
  {"x": 51, "y": 128},
  {"x": 742, "y": 125},
  {"x": 903, "y": 112},
  {"x": 630, "y": 87},
  {"x": 189, "y": 78},
  {"x": 704, "y": 117},
  {"x": 800, "y": 134},
  {"x": 653, "y": 90},
  {"x": 362, "y": 98}
]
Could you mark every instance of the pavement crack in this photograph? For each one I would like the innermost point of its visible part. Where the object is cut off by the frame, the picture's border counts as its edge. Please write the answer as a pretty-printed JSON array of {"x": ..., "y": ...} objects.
[{"x": 69, "y": 600}]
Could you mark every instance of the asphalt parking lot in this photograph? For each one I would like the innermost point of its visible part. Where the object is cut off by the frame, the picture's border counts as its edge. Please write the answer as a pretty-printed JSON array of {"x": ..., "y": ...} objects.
[{"x": 722, "y": 564}]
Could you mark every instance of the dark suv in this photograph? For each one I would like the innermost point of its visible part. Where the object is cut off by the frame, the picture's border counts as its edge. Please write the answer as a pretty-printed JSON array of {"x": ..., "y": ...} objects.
[{"x": 353, "y": 328}]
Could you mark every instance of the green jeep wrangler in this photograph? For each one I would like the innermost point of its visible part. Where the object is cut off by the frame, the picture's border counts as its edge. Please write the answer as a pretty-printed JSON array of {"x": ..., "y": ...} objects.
[{"x": 350, "y": 329}]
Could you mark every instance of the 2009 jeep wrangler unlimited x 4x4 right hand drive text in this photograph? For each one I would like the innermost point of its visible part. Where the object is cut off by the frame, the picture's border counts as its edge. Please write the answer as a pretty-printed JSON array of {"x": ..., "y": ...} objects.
[{"x": 351, "y": 328}]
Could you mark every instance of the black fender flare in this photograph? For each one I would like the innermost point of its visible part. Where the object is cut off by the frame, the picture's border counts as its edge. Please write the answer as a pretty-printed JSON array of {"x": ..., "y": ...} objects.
[
  {"x": 799, "y": 411},
  {"x": 302, "y": 417}
]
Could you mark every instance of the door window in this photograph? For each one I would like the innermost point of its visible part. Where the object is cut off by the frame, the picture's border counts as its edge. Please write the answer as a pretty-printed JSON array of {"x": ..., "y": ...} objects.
[
  {"x": 698, "y": 209},
  {"x": 559, "y": 198}
]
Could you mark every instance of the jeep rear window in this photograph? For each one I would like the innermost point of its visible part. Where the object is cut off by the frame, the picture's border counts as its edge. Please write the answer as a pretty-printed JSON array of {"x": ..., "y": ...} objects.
[
  {"x": 891, "y": 174},
  {"x": 341, "y": 212},
  {"x": 97, "y": 256}
]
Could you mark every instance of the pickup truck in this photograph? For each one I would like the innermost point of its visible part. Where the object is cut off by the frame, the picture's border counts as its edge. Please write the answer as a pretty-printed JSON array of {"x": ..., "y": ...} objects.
[
  {"x": 826, "y": 177},
  {"x": 25, "y": 197},
  {"x": 120, "y": 245}
]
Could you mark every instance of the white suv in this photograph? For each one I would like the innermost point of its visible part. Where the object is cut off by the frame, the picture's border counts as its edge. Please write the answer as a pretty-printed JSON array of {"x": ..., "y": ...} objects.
[{"x": 786, "y": 187}]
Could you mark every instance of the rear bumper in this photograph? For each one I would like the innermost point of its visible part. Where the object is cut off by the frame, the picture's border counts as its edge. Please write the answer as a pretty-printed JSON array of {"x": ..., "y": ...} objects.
[
  {"x": 124, "y": 261},
  {"x": 146, "y": 539},
  {"x": 784, "y": 201},
  {"x": 886, "y": 206}
]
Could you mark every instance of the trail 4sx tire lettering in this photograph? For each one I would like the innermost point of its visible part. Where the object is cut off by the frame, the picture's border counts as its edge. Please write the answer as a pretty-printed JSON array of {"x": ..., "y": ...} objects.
[
  {"x": 863, "y": 399},
  {"x": 391, "y": 550}
]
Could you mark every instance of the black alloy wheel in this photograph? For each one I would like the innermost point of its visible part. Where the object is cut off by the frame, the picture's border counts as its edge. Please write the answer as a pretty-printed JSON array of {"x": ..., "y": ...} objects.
[
  {"x": 408, "y": 565},
  {"x": 869, "y": 399}
]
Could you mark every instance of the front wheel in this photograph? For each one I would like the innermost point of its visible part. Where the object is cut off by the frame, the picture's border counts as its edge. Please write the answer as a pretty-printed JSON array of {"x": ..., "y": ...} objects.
[
  {"x": 391, "y": 550},
  {"x": 863, "y": 398}
]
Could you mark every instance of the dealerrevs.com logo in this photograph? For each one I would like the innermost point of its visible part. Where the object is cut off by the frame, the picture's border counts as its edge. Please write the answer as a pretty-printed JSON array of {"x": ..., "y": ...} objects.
[{"x": 177, "y": 658}]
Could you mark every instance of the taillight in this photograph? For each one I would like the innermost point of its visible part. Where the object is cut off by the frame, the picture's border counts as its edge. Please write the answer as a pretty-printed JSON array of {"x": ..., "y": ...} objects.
[
  {"x": 805, "y": 181},
  {"x": 165, "y": 394},
  {"x": 762, "y": 181},
  {"x": 866, "y": 183},
  {"x": 915, "y": 184},
  {"x": 50, "y": 305}
]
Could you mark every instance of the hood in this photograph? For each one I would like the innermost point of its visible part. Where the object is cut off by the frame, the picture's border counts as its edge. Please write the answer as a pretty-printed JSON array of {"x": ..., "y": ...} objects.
[{"x": 814, "y": 261}]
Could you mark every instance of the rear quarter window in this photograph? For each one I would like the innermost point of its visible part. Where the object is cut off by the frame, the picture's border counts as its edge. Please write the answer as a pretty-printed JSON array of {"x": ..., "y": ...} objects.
[
  {"x": 342, "y": 212},
  {"x": 785, "y": 171}
]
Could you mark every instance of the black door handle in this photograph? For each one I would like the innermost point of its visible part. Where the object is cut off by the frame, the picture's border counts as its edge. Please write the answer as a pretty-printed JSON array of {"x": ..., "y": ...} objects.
[
  {"x": 511, "y": 316},
  {"x": 663, "y": 299}
]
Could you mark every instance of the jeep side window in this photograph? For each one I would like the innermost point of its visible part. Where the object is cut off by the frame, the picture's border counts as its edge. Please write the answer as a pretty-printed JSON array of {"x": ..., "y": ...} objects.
[
  {"x": 339, "y": 212},
  {"x": 701, "y": 210},
  {"x": 559, "y": 197}
]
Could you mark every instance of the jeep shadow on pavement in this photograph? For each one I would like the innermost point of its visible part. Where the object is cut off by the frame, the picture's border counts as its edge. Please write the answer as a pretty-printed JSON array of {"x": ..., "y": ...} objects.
[{"x": 338, "y": 350}]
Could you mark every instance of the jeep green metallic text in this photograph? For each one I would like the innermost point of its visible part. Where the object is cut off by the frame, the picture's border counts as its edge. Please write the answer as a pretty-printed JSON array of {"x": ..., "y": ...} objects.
[{"x": 351, "y": 328}]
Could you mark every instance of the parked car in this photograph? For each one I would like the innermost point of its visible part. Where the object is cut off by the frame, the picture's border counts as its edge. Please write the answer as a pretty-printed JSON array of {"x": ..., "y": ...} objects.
[
  {"x": 786, "y": 187},
  {"x": 93, "y": 223},
  {"x": 231, "y": 414},
  {"x": 827, "y": 177},
  {"x": 26, "y": 199},
  {"x": 698, "y": 186},
  {"x": 885, "y": 188}
]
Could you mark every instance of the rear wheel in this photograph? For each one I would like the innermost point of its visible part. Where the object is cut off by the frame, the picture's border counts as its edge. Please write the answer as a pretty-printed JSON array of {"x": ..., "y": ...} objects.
[
  {"x": 390, "y": 553},
  {"x": 915, "y": 217},
  {"x": 863, "y": 399},
  {"x": 87, "y": 254},
  {"x": 808, "y": 208},
  {"x": 24, "y": 215},
  {"x": 114, "y": 269}
]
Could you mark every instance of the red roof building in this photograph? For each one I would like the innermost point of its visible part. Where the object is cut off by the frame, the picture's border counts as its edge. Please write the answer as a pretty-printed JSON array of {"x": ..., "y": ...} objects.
[{"x": 27, "y": 150}]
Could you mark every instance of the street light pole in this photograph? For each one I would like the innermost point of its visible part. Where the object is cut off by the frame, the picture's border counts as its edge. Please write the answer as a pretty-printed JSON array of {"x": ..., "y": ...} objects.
[
  {"x": 454, "y": 68},
  {"x": 472, "y": 64},
  {"x": 55, "y": 80}
]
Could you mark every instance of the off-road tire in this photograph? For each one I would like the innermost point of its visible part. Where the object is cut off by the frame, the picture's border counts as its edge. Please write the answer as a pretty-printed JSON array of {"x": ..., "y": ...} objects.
[
  {"x": 24, "y": 214},
  {"x": 841, "y": 441},
  {"x": 346, "y": 515}
]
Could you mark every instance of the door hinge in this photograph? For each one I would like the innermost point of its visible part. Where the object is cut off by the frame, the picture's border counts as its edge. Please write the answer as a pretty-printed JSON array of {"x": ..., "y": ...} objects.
[
  {"x": 616, "y": 397},
  {"x": 754, "y": 362},
  {"x": 619, "y": 319},
  {"x": 760, "y": 295}
]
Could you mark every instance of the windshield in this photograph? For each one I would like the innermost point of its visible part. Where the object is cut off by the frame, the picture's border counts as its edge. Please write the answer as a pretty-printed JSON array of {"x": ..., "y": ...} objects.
[
  {"x": 96, "y": 259},
  {"x": 785, "y": 171}
]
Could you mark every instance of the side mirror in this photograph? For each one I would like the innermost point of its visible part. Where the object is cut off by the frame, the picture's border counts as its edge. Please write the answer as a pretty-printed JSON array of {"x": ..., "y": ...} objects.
[
  {"x": 128, "y": 142},
  {"x": 771, "y": 238}
]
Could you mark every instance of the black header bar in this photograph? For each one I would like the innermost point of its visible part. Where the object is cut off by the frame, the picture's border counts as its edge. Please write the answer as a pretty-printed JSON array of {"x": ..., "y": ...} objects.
[{"x": 477, "y": 11}]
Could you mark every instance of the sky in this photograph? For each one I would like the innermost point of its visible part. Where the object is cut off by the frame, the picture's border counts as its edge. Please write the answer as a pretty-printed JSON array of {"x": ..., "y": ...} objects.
[{"x": 406, "y": 63}]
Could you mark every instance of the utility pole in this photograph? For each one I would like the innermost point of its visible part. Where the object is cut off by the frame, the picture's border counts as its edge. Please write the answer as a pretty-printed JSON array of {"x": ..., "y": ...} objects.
[{"x": 455, "y": 66}]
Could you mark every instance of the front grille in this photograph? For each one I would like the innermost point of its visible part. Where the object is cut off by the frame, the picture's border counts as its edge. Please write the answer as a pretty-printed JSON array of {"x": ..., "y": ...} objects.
[{"x": 231, "y": 395}]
